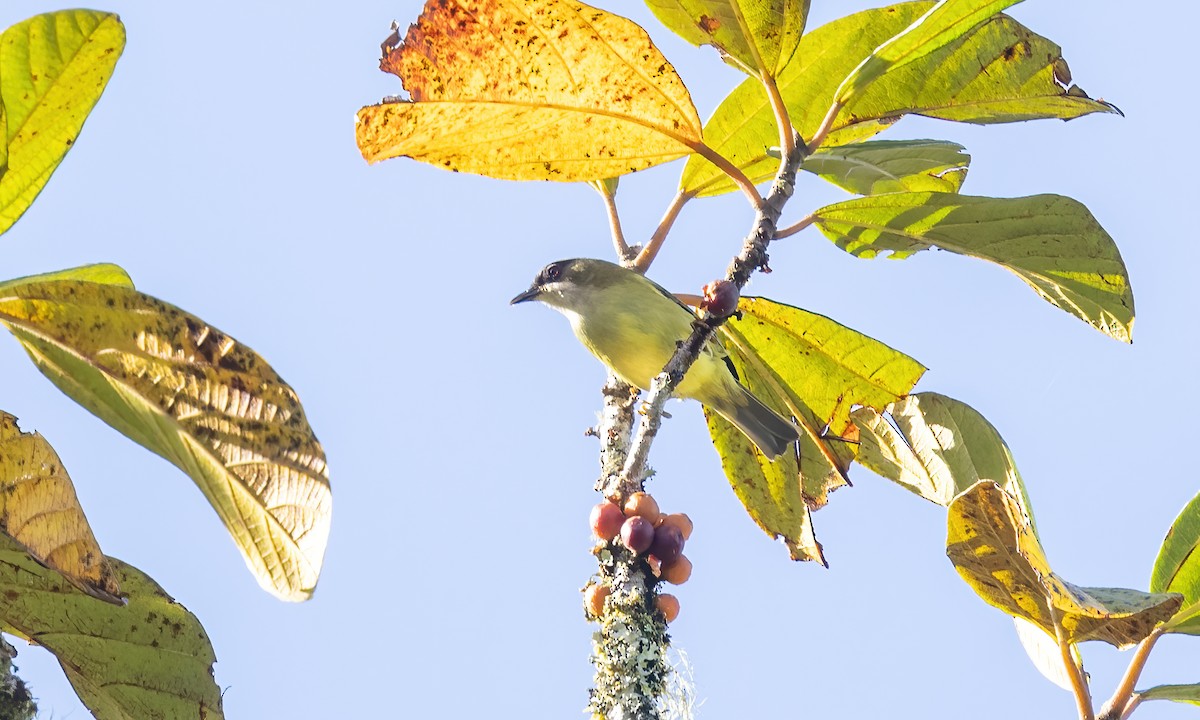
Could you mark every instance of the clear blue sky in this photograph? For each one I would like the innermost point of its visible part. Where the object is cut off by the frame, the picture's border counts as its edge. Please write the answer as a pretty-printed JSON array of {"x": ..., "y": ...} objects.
[{"x": 220, "y": 170}]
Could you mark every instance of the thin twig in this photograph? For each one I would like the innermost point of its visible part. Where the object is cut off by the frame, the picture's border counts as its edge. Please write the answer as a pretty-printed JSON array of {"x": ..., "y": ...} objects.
[
  {"x": 823, "y": 130},
  {"x": 733, "y": 171},
  {"x": 787, "y": 136},
  {"x": 624, "y": 253},
  {"x": 1130, "y": 706},
  {"x": 791, "y": 230},
  {"x": 1117, "y": 705},
  {"x": 642, "y": 262},
  {"x": 752, "y": 257},
  {"x": 1083, "y": 697}
]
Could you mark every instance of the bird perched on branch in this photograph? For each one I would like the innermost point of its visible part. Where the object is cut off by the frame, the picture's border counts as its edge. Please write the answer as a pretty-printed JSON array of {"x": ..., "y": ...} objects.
[{"x": 633, "y": 326}]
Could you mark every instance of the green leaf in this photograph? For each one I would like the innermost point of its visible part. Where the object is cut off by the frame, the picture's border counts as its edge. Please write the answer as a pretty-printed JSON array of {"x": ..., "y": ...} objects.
[
  {"x": 943, "y": 24},
  {"x": 999, "y": 72},
  {"x": 937, "y": 448},
  {"x": 105, "y": 273},
  {"x": 1189, "y": 694},
  {"x": 888, "y": 166},
  {"x": 1177, "y": 568},
  {"x": 811, "y": 368},
  {"x": 149, "y": 658},
  {"x": 53, "y": 69},
  {"x": 197, "y": 397},
  {"x": 1051, "y": 242},
  {"x": 768, "y": 490},
  {"x": 752, "y": 35},
  {"x": 39, "y": 510},
  {"x": 993, "y": 546}
]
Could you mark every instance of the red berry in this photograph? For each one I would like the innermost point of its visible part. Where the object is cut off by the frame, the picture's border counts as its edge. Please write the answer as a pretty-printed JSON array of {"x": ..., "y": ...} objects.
[
  {"x": 681, "y": 521},
  {"x": 637, "y": 533},
  {"x": 642, "y": 505},
  {"x": 720, "y": 298},
  {"x": 678, "y": 572},
  {"x": 606, "y": 520},
  {"x": 668, "y": 605},
  {"x": 594, "y": 597},
  {"x": 668, "y": 544}
]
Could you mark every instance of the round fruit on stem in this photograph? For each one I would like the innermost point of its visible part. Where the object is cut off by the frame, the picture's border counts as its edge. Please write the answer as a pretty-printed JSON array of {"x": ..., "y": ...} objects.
[
  {"x": 642, "y": 505},
  {"x": 606, "y": 520},
  {"x": 637, "y": 533},
  {"x": 668, "y": 605},
  {"x": 594, "y": 597},
  {"x": 678, "y": 572},
  {"x": 668, "y": 544},
  {"x": 681, "y": 521}
]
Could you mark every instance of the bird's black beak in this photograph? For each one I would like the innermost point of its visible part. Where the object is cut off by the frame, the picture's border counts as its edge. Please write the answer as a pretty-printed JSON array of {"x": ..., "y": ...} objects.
[{"x": 530, "y": 294}]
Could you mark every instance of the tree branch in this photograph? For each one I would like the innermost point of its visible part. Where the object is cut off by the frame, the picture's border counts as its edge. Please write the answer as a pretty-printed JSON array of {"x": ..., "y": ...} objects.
[
  {"x": 1118, "y": 705},
  {"x": 642, "y": 262},
  {"x": 752, "y": 257},
  {"x": 1083, "y": 697},
  {"x": 624, "y": 253}
]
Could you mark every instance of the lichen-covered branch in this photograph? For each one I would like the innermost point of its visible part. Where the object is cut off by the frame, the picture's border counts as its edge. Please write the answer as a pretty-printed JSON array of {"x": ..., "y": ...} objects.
[
  {"x": 630, "y": 648},
  {"x": 15, "y": 701}
]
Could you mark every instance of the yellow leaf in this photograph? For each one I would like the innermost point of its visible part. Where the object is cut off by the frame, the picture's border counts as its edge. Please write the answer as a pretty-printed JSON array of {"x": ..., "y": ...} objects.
[
  {"x": 200, "y": 399},
  {"x": 992, "y": 545},
  {"x": 535, "y": 90},
  {"x": 39, "y": 509}
]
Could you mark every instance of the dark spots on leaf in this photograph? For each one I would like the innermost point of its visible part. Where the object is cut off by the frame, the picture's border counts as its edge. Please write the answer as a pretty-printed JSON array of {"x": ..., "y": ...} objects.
[{"x": 709, "y": 24}]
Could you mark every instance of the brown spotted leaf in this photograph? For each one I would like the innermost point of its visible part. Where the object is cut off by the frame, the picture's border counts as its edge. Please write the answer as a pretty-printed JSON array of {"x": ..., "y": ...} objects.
[
  {"x": 992, "y": 545},
  {"x": 530, "y": 90},
  {"x": 756, "y": 36},
  {"x": 200, "y": 399},
  {"x": 146, "y": 658},
  {"x": 39, "y": 510}
]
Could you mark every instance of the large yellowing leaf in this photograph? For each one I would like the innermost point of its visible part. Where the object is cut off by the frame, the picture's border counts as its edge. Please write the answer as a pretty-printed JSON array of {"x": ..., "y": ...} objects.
[
  {"x": 198, "y": 398},
  {"x": 999, "y": 72},
  {"x": 53, "y": 69},
  {"x": 148, "y": 658},
  {"x": 1051, "y": 242},
  {"x": 945, "y": 22},
  {"x": 769, "y": 490},
  {"x": 810, "y": 368},
  {"x": 888, "y": 166},
  {"x": 993, "y": 546},
  {"x": 754, "y": 36},
  {"x": 937, "y": 448},
  {"x": 530, "y": 90},
  {"x": 40, "y": 511},
  {"x": 1177, "y": 568}
]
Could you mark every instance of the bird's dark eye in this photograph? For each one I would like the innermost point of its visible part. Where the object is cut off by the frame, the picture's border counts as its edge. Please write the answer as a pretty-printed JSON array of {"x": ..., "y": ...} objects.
[{"x": 553, "y": 272}]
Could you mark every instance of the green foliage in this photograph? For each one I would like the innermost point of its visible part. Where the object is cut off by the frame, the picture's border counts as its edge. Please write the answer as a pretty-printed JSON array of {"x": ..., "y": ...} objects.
[
  {"x": 1051, "y": 242},
  {"x": 887, "y": 166},
  {"x": 755, "y": 36},
  {"x": 53, "y": 69}
]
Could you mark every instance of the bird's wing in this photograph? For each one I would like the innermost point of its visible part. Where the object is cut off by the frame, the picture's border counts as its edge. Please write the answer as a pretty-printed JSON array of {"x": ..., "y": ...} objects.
[{"x": 714, "y": 346}]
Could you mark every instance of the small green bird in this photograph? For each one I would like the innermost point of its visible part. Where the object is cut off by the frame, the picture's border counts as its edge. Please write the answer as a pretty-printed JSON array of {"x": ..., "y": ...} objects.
[{"x": 633, "y": 326}]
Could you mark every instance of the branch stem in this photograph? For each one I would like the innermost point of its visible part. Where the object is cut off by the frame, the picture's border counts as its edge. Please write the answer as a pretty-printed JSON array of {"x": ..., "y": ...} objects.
[
  {"x": 624, "y": 254},
  {"x": 791, "y": 230},
  {"x": 1083, "y": 697},
  {"x": 1118, "y": 705},
  {"x": 642, "y": 262},
  {"x": 733, "y": 171}
]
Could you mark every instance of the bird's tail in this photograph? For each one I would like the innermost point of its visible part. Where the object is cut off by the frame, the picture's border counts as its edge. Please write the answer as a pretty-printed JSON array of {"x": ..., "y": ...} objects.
[{"x": 763, "y": 426}]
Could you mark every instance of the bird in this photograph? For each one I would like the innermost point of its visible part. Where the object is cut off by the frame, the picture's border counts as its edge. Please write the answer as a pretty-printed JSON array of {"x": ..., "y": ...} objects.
[{"x": 633, "y": 326}]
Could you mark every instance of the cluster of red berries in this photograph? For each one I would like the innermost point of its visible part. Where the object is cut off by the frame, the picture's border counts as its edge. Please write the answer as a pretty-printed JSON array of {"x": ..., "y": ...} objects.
[{"x": 644, "y": 529}]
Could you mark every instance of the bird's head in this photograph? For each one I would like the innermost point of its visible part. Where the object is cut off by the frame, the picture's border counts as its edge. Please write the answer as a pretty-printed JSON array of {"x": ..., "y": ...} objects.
[{"x": 571, "y": 284}]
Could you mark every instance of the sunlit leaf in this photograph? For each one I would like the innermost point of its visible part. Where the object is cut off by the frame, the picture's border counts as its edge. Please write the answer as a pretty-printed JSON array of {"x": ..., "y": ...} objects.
[
  {"x": 937, "y": 448},
  {"x": 999, "y": 72},
  {"x": 752, "y": 35},
  {"x": 1045, "y": 654},
  {"x": 888, "y": 166},
  {"x": 809, "y": 367},
  {"x": 1189, "y": 694},
  {"x": 536, "y": 90},
  {"x": 53, "y": 68},
  {"x": 769, "y": 490},
  {"x": 1051, "y": 242},
  {"x": 39, "y": 510},
  {"x": 149, "y": 658},
  {"x": 200, "y": 399},
  {"x": 943, "y": 24},
  {"x": 992, "y": 545},
  {"x": 105, "y": 273},
  {"x": 1177, "y": 568}
]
